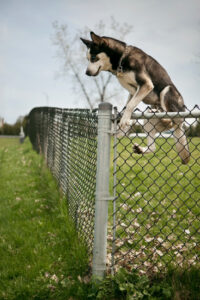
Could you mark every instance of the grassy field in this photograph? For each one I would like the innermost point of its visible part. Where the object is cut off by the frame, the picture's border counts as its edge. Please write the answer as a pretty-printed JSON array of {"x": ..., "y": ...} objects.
[
  {"x": 40, "y": 255},
  {"x": 158, "y": 207}
]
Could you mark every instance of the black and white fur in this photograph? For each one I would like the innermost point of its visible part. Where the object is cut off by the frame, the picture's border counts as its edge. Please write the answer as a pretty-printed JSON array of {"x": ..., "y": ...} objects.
[{"x": 146, "y": 80}]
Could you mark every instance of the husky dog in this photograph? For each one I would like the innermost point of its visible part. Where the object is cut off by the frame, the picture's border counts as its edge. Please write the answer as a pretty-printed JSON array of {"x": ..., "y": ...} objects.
[{"x": 146, "y": 80}]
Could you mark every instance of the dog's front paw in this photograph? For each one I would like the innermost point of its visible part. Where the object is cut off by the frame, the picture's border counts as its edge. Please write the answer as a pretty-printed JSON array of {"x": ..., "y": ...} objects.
[
  {"x": 125, "y": 121},
  {"x": 137, "y": 149}
]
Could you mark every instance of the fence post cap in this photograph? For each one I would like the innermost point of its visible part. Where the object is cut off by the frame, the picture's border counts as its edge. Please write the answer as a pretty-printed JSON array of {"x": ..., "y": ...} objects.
[{"x": 105, "y": 106}]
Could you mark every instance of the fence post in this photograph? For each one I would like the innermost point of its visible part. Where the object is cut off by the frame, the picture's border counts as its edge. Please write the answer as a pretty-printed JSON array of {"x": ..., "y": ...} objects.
[{"x": 102, "y": 190}]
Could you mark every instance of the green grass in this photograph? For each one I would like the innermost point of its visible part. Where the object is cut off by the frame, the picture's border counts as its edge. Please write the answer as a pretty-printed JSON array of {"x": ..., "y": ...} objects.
[
  {"x": 40, "y": 254},
  {"x": 158, "y": 207}
]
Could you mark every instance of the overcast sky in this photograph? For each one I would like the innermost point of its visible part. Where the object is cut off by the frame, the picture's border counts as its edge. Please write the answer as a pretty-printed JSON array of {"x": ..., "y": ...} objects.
[{"x": 167, "y": 30}]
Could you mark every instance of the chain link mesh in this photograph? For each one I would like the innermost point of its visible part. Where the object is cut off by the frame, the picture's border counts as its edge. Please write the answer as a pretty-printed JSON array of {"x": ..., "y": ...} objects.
[
  {"x": 156, "y": 218},
  {"x": 68, "y": 140},
  {"x": 156, "y": 211}
]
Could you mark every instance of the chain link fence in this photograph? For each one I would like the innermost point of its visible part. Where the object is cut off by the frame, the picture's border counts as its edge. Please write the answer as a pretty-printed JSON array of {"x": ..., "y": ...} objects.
[
  {"x": 68, "y": 140},
  {"x": 156, "y": 207},
  {"x": 153, "y": 210}
]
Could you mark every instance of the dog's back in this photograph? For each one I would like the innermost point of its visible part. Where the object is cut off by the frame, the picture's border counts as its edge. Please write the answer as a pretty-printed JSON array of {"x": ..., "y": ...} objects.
[{"x": 140, "y": 62}]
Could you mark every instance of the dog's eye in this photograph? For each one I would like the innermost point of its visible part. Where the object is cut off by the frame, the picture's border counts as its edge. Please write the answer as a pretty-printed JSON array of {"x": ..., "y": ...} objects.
[{"x": 94, "y": 58}]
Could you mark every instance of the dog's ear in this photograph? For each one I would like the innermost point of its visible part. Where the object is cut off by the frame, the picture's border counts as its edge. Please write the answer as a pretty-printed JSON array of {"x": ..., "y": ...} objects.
[
  {"x": 87, "y": 42},
  {"x": 96, "y": 38}
]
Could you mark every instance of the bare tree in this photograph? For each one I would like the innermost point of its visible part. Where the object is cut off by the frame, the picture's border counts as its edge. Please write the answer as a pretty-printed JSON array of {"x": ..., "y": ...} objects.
[{"x": 72, "y": 54}]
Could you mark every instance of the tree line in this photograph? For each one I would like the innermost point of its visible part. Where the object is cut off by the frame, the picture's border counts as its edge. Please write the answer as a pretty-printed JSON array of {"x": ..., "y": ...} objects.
[{"x": 14, "y": 129}]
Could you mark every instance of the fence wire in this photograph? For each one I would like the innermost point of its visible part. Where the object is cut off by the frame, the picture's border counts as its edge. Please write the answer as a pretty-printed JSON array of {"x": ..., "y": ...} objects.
[
  {"x": 156, "y": 217},
  {"x": 67, "y": 139},
  {"x": 155, "y": 221}
]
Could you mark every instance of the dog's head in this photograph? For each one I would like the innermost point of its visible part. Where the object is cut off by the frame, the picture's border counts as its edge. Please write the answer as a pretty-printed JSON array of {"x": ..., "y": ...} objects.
[{"x": 96, "y": 55}]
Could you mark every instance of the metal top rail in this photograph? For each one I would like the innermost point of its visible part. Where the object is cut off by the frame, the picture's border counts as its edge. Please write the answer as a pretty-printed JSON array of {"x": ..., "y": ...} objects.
[{"x": 160, "y": 115}]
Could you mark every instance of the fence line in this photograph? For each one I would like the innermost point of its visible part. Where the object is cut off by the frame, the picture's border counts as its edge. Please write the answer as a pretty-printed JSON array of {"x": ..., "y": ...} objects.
[
  {"x": 155, "y": 218},
  {"x": 67, "y": 139}
]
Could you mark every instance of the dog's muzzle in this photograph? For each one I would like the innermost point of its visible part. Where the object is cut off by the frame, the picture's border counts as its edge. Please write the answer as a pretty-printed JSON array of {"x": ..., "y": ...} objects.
[{"x": 89, "y": 73}]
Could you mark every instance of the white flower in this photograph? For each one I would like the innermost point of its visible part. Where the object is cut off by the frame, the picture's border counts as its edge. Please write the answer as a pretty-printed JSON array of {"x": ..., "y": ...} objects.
[{"x": 54, "y": 278}]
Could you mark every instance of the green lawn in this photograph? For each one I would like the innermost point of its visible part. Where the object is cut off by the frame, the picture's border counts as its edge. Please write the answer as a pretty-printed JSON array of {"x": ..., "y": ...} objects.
[
  {"x": 158, "y": 207},
  {"x": 40, "y": 255}
]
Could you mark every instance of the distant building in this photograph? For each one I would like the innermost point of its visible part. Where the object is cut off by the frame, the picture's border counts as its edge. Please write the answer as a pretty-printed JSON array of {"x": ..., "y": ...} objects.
[{"x": 1, "y": 122}]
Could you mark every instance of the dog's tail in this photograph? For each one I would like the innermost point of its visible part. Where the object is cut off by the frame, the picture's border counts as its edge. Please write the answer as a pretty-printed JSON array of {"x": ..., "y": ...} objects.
[{"x": 181, "y": 143}]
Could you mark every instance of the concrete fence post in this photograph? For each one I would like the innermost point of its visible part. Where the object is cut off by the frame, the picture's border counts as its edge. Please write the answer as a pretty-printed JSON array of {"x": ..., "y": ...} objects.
[{"x": 102, "y": 190}]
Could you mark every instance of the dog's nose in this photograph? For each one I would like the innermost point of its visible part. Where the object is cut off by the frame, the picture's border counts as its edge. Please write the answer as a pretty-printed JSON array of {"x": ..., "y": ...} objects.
[{"x": 88, "y": 73}]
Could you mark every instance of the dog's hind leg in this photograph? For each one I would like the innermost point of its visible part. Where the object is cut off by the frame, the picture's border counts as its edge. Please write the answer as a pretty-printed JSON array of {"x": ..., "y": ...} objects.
[
  {"x": 181, "y": 143},
  {"x": 171, "y": 100}
]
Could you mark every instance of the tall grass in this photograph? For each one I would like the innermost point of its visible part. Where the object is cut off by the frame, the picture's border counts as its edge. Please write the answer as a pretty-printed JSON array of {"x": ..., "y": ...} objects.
[{"x": 40, "y": 254}]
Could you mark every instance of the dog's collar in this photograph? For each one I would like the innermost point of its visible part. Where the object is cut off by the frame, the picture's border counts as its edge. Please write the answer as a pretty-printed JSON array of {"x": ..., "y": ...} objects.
[{"x": 124, "y": 54}]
